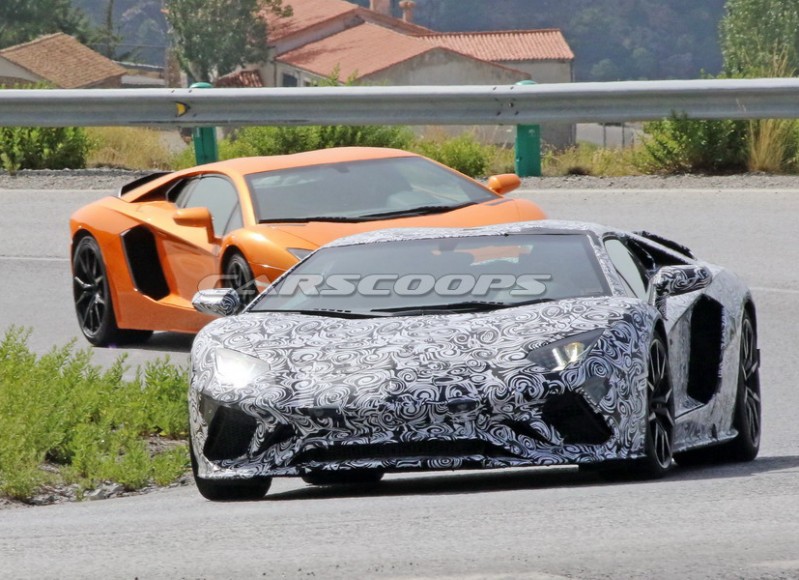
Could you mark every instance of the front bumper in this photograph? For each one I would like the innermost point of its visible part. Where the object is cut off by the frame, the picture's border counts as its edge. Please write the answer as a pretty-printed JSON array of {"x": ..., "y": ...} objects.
[{"x": 552, "y": 424}]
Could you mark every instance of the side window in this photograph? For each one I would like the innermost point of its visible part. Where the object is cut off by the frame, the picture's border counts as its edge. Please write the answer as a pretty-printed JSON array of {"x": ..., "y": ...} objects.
[
  {"x": 628, "y": 268},
  {"x": 221, "y": 199}
]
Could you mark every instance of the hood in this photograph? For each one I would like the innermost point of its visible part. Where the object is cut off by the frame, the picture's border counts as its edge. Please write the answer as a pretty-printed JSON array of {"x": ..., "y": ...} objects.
[
  {"x": 349, "y": 360},
  {"x": 317, "y": 234}
]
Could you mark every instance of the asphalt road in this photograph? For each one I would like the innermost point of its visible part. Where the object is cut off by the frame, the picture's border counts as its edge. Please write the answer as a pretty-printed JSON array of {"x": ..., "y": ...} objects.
[{"x": 738, "y": 521}]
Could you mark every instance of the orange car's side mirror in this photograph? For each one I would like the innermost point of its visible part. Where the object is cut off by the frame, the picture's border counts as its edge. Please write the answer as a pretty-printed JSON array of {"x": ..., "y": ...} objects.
[
  {"x": 196, "y": 217},
  {"x": 504, "y": 183}
]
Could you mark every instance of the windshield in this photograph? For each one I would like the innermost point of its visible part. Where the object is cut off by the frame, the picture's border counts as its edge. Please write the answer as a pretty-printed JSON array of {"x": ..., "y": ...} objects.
[
  {"x": 361, "y": 190},
  {"x": 445, "y": 274}
]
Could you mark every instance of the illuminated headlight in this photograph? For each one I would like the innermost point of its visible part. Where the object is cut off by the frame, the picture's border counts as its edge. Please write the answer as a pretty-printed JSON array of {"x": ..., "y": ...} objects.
[
  {"x": 299, "y": 253},
  {"x": 557, "y": 355},
  {"x": 235, "y": 370}
]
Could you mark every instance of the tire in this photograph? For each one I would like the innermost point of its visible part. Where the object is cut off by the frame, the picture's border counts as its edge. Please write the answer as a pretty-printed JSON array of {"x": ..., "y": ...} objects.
[
  {"x": 238, "y": 275},
  {"x": 229, "y": 490},
  {"x": 746, "y": 417},
  {"x": 343, "y": 477},
  {"x": 659, "y": 423},
  {"x": 94, "y": 304}
]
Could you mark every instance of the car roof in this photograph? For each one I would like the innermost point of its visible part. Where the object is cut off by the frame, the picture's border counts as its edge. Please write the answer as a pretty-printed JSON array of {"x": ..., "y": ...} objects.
[
  {"x": 248, "y": 165},
  {"x": 530, "y": 227}
]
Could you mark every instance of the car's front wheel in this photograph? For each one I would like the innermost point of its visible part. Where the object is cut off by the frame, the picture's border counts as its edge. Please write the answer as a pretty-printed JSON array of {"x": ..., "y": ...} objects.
[
  {"x": 229, "y": 490},
  {"x": 239, "y": 276},
  {"x": 93, "y": 302},
  {"x": 659, "y": 423}
]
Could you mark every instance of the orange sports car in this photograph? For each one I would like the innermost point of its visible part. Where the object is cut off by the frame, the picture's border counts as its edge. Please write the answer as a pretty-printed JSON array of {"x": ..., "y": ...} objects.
[{"x": 139, "y": 258}]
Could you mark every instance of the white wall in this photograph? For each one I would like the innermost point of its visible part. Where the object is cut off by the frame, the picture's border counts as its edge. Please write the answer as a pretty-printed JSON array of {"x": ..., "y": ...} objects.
[{"x": 9, "y": 70}]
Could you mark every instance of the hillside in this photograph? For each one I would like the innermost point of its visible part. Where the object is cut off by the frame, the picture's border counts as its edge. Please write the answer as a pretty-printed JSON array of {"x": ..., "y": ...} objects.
[{"x": 613, "y": 39}]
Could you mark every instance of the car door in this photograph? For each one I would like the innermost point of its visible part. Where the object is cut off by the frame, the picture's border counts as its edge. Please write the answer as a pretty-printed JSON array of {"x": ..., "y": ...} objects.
[{"x": 192, "y": 255}]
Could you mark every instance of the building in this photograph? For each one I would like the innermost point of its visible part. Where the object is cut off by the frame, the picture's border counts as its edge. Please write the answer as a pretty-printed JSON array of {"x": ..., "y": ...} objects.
[
  {"x": 58, "y": 60},
  {"x": 370, "y": 46}
]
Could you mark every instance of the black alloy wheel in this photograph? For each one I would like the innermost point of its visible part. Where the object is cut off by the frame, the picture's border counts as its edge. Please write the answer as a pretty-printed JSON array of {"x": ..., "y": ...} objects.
[
  {"x": 660, "y": 415},
  {"x": 238, "y": 276},
  {"x": 93, "y": 302}
]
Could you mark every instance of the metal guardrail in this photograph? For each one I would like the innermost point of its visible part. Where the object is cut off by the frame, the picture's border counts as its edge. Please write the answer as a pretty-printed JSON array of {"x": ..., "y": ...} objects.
[{"x": 420, "y": 105}]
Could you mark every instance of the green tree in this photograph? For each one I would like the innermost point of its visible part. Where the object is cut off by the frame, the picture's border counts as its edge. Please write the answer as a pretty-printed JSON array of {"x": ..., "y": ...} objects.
[
  {"x": 24, "y": 20},
  {"x": 213, "y": 37},
  {"x": 757, "y": 33}
]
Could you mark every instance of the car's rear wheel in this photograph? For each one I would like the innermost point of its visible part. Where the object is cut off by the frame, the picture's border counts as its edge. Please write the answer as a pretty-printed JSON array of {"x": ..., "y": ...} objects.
[
  {"x": 93, "y": 302},
  {"x": 343, "y": 477},
  {"x": 229, "y": 490},
  {"x": 747, "y": 413},
  {"x": 239, "y": 276}
]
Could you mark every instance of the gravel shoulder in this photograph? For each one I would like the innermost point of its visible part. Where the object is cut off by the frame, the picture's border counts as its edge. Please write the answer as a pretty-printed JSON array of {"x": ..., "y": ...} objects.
[{"x": 103, "y": 179}]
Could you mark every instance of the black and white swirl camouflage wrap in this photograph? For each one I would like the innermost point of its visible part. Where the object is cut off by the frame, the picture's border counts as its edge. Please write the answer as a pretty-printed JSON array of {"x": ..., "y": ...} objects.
[{"x": 329, "y": 386}]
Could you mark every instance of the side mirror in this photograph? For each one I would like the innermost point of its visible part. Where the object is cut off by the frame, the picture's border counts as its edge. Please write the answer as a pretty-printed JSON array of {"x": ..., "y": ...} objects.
[
  {"x": 676, "y": 280},
  {"x": 505, "y": 183},
  {"x": 217, "y": 302},
  {"x": 196, "y": 217}
]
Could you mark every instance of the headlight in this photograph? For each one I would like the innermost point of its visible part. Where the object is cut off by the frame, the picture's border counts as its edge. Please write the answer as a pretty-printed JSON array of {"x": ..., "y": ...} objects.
[
  {"x": 557, "y": 355},
  {"x": 235, "y": 370},
  {"x": 298, "y": 253}
]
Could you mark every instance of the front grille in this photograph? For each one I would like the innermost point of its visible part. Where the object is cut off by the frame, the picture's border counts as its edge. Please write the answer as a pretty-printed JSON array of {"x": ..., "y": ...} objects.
[{"x": 423, "y": 449}]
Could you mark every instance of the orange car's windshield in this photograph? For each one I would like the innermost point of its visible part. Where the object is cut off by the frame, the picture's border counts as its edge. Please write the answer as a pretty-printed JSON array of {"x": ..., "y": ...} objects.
[
  {"x": 361, "y": 190},
  {"x": 473, "y": 271}
]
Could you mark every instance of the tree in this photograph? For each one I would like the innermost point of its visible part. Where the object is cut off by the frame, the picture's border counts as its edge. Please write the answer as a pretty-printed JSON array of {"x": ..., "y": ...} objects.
[
  {"x": 213, "y": 37},
  {"x": 24, "y": 20},
  {"x": 757, "y": 34}
]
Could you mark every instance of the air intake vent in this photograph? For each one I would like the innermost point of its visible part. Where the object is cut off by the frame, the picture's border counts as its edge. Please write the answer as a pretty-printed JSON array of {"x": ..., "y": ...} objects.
[
  {"x": 575, "y": 420},
  {"x": 229, "y": 434}
]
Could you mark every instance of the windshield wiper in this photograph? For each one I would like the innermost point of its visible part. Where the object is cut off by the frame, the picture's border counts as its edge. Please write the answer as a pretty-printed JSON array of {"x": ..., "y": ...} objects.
[
  {"x": 332, "y": 312},
  {"x": 466, "y": 305},
  {"x": 421, "y": 210},
  {"x": 330, "y": 218},
  {"x": 470, "y": 305}
]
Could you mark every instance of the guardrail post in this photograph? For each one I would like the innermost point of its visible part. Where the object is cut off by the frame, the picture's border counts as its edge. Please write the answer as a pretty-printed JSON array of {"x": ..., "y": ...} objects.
[
  {"x": 204, "y": 138},
  {"x": 528, "y": 147}
]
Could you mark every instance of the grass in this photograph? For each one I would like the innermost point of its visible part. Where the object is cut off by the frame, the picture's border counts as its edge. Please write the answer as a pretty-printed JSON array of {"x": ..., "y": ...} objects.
[
  {"x": 588, "y": 159},
  {"x": 772, "y": 145},
  {"x": 66, "y": 421},
  {"x": 128, "y": 148}
]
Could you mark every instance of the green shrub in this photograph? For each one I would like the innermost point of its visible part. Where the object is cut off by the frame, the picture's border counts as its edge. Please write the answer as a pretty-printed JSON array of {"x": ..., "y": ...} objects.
[
  {"x": 43, "y": 148},
  {"x": 679, "y": 144},
  {"x": 87, "y": 424},
  {"x": 463, "y": 153}
]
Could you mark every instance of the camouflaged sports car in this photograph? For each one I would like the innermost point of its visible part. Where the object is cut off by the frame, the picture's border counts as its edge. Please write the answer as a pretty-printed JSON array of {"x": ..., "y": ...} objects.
[{"x": 538, "y": 343}]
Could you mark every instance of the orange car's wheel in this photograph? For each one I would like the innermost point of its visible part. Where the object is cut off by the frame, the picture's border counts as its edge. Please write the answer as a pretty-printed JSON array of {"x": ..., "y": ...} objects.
[
  {"x": 93, "y": 302},
  {"x": 238, "y": 275}
]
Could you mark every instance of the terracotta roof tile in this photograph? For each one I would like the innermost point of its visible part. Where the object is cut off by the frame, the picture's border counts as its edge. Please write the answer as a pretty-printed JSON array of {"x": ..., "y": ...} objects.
[
  {"x": 307, "y": 13},
  {"x": 63, "y": 61},
  {"x": 248, "y": 79},
  {"x": 358, "y": 51},
  {"x": 310, "y": 13},
  {"x": 505, "y": 46}
]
